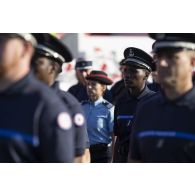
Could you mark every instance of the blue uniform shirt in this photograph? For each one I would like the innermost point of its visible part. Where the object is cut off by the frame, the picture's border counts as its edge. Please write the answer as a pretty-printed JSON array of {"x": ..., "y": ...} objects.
[{"x": 100, "y": 118}]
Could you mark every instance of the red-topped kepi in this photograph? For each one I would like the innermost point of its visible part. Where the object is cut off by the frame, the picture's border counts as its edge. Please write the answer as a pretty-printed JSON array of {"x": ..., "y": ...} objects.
[{"x": 99, "y": 76}]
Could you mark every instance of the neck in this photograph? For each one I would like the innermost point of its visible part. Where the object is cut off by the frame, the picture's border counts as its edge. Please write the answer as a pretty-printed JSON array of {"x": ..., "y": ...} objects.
[
  {"x": 135, "y": 92},
  {"x": 175, "y": 92},
  {"x": 94, "y": 99},
  {"x": 12, "y": 76}
]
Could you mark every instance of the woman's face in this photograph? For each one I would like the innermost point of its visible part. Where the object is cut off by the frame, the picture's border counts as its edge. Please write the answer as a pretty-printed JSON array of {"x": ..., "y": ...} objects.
[{"x": 95, "y": 90}]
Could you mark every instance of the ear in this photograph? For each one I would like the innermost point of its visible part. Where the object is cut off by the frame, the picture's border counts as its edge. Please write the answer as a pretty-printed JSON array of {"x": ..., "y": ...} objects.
[
  {"x": 104, "y": 88},
  {"x": 27, "y": 48},
  {"x": 51, "y": 69},
  {"x": 147, "y": 73},
  {"x": 193, "y": 61}
]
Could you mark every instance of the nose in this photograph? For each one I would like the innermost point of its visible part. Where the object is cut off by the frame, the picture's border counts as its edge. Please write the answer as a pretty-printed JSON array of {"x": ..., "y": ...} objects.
[{"x": 125, "y": 74}]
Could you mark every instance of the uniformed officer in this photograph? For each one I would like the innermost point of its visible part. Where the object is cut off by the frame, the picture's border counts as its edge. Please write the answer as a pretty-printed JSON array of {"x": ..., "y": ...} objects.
[
  {"x": 83, "y": 68},
  {"x": 118, "y": 89},
  {"x": 35, "y": 125},
  {"x": 136, "y": 69},
  {"x": 50, "y": 54},
  {"x": 100, "y": 116},
  {"x": 164, "y": 129}
]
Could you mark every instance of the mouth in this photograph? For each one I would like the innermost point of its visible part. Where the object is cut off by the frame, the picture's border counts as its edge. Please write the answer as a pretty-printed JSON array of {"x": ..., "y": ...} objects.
[{"x": 90, "y": 93}]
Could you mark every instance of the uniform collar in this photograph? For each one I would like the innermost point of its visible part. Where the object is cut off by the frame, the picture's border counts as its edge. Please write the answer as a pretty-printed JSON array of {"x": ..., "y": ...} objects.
[
  {"x": 97, "y": 102},
  {"x": 184, "y": 99},
  {"x": 55, "y": 86},
  {"x": 19, "y": 85},
  {"x": 142, "y": 93}
]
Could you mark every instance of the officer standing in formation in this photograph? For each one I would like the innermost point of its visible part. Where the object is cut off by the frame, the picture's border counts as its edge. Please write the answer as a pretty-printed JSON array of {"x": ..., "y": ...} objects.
[
  {"x": 99, "y": 115},
  {"x": 35, "y": 125},
  {"x": 136, "y": 69},
  {"x": 50, "y": 54},
  {"x": 164, "y": 128},
  {"x": 83, "y": 69}
]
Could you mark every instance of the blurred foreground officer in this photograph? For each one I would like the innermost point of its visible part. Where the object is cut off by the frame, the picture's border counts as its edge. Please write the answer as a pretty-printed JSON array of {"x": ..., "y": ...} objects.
[
  {"x": 164, "y": 128},
  {"x": 35, "y": 125},
  {"x": 83, "y": 68},
  {"x": 136, "y": 69},
  {"x": 100, "y": 116},
  {"x": 50, "y": 54}
]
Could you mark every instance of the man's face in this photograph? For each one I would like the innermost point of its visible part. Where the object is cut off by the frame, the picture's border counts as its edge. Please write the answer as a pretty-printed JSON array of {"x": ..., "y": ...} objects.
[
  {"x": 45, "y": 70},
  {"x": 134, "y": 77},
  {"x": 81, "y": 75},
  {"x": 11, "y": 51},
  {"x": 174, "y": 67},
  {"x": 95, "y": 90}
]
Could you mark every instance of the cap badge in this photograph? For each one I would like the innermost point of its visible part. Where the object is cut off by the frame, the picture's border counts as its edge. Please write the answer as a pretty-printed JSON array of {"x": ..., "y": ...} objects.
[{"x": 131, "y": 53}]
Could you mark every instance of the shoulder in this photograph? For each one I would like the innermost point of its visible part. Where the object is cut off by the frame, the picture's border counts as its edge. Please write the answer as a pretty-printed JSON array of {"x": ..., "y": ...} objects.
[
  {"x": 148, "y": 91},
  {"x": 150, "y": 94},
  {"x": 47, "y": 96},
  {"x": 74, "y": 87},
  {"x": 107, "y": 104},
  {"x": 68, "y": 97},
  {"x": 117, "y": 85},
  {"x": 151, "y": 100},
  {"x": 85, "y": 102}
]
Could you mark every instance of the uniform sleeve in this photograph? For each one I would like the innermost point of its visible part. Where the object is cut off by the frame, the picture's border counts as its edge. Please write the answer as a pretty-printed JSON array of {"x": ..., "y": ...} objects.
[
  {"x": 115, "y": 128},
  {"x": 81, "y": 137},
  {"x": 56, "y": 133},
  {"x": 111, "y": 119},
  {"x": 79, "y": 123}
]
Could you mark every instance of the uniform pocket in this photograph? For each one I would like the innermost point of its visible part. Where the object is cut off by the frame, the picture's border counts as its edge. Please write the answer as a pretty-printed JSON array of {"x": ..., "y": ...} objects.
[{"x": 101, "y": 121}]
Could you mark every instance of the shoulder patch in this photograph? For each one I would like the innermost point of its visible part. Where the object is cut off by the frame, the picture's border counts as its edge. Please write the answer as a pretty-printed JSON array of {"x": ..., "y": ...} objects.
[
  {"x": 64, "y": 121},
  {"x": 107, "y": 104},
  {"x": 79, "y": 119}
]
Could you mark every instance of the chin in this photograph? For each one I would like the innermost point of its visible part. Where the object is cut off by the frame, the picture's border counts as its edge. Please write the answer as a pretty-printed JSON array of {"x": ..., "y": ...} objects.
[
  {"x": 129, "y": 85},
  {"x": 168, "y": 84}
]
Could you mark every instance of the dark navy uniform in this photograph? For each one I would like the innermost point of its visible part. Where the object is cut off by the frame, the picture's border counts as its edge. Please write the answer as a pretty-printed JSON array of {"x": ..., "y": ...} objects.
[
  {"x": 118, "y": 90},
  {"x": 51, "y": 48},
  {"x": 34, "y": 124},
  {"x": 123, "y": 116},
  {"x": 165, "y": 130},
  {"x": 154, "y": 86},
  {"x": 135, "y": 61},
  {"x": 81, "y": 136},
  {"x": 80, "y": 92}
]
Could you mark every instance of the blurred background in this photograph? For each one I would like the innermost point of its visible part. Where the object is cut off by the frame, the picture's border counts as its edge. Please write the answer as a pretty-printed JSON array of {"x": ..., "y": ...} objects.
[{"x": 104, "y": 49}]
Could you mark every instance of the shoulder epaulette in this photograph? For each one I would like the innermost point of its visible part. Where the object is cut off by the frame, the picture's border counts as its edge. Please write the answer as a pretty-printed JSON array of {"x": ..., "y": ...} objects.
[{"x": 107, "y": 104}]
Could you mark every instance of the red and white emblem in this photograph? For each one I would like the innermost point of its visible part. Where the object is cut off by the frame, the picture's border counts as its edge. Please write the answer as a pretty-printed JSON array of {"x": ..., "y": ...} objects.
[
  {"x": 64, "y": 121},
  {"x": 79, "y": 119}
]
